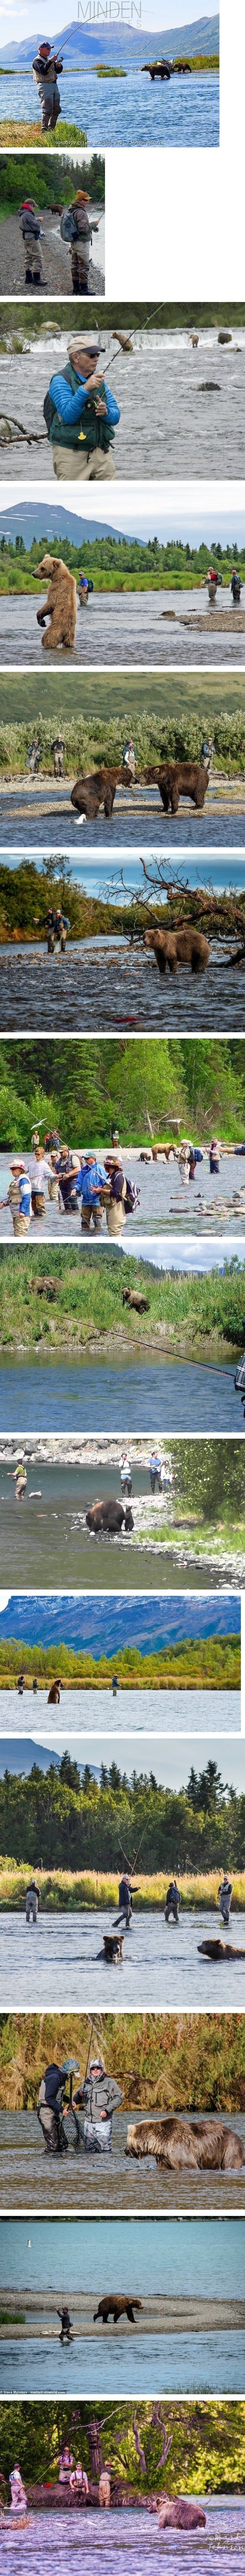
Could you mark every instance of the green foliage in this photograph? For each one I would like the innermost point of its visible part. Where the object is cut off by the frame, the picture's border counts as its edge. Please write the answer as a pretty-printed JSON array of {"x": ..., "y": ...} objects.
[
  {"x": 197, "y": 1313},
  {"x": 89, "y": 1829},
  {"x": 211, "y": 1662},
  {"x": 82, "y": 1089},
  {"x": 54, "y": 178},
  {"x": 118, "y": 563},
  {"x": 207, "y": 2440}
]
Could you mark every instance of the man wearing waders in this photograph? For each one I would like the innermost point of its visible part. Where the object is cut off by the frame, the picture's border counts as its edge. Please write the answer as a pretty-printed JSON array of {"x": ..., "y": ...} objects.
[
  {"x": 45, "y": 67},
  {"x": 34, "y": 757},
  {"x": 52, "y": 2101},
  {"x": 32, "y": 236},
  {"x": 66, "y": 2326},
  {"x": 125, "y": 1474},
  {"x": 155, "y": 1471},
  {"x": 80, "y": 413},
  {"x": 225, "y": 1896},
  {"x": 101, "y": 2096},
  {"x": 32, "y": 1895},
  {"x": 173, "y": 1900},
  {"x": 125, "y": 1898},
  {"x": 58, "y": 748}
]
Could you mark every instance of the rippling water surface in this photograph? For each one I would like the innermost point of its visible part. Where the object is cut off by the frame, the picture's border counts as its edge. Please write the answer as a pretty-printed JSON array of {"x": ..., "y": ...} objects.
[
  {"x": 181, "y": 409},
  {"x": 161, "y": 1966},
  {"x": 157, "y": 1711},
  {"x": 131, "y": 2536},
  {"x": 173, "y": 1395},
  {"x": 177, "y": 2362},
  {"x": 108, "y": 982},
  {"x": 136, "y": 110},
  {"x": 107, "y": 2183}
]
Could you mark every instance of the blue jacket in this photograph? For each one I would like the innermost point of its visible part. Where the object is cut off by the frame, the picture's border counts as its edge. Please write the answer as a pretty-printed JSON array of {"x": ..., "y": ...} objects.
[
  {"x": 71, "y": 406},
  {"x": 89, "y": 1180}
]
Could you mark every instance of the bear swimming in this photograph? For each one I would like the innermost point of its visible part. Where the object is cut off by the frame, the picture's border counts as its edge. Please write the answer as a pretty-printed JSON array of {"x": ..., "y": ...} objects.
[
  {"x": 186, "y": 947},
  {"x": 116, "y": 2308},
  {"x": 177, "y": 2513},
  {"x": 133, "y": 1297},
  {"x": 177, "y": 778},
  {"x": 100, "y": 789},
  {"x": 61, "y": 604},
  {"x": 108, "y": 1516},
  {"x": 203, "y": 2144}
]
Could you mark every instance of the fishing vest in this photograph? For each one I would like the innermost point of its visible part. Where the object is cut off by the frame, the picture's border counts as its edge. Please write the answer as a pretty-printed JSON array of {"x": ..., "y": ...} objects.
[{"x": 96, "y": 433}]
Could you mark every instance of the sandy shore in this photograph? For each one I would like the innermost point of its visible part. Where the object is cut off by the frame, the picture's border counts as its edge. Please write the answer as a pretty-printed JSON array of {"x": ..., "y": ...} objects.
[{"x": 156, "y": 2316}]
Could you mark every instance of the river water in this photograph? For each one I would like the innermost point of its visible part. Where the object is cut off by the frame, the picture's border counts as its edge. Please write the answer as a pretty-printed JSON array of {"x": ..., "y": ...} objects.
[
  {"x": 48, "y": 809},
  {"x": 127, "y": 111},
  {"x": 128, "y": 2538},
  {"x": 181, "y": 409},
  {"x": 140, "y": 627},
  {"x": 161, "y": 1968},
  {"x": 49, "y": 1530},
  {"x": 107, "y": 2183},
  {"x": 160, "y": 2259},
  {"x": 165, "y": 1395},
  {"x": 181, "y": 2363},
  {"x": 108, "y": 984},
  {"x": 214, "y": 1201},
  {"x": 156, "y": 1711}
]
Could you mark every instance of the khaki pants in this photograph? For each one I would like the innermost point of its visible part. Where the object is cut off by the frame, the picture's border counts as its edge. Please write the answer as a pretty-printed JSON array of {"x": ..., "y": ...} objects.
[
  {"x": 73, "y": 465},
  {"x": 20, "y": 1223},
  {"x": 38, "y": 1203}
]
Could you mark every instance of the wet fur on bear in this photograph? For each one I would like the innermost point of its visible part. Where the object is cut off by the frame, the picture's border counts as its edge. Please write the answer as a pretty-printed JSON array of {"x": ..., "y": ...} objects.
[
  {"x": 187, "y": 947},
  {"x": 60, "y": 606},
  {"x": 173, "y": 2142},
  {"x": 99, "y": 789}
]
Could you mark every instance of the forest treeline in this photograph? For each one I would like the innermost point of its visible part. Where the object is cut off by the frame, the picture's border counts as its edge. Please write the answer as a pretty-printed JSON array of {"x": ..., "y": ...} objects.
[
  {"x": 204, "y": 1662},
  {"x": 94, "y": 1825},
  {"x": 56, "y": 178},
  {"x": 117, "y": 563},
  {"x": 90, "y": 738},
  {"x": 82, "y": 1089},
  {"x": 207, "y": 2441},
  {"x": 133, "y": 317}
]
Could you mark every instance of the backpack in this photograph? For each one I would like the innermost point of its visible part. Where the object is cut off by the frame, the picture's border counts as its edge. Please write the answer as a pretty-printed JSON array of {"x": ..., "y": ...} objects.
[
  {"x": 68, "y": 227},
  {"x": 48, "y": 411}
]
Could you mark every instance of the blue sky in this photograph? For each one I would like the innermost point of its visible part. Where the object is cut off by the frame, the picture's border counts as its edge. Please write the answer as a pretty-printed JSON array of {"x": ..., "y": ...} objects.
[
  {"x": 169, "y": 1758},
  {"x": 198, "y": 513},
  {"x": 154, "y": 13}
]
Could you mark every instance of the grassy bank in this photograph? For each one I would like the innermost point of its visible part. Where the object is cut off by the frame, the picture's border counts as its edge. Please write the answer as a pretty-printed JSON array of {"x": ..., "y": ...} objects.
[
  {"x": 81, "y": 1090},
  {"x": 15, "y": 133},
  {"x": 74, "y": 1891},
  {"x": 164, "y": 2061},
  {"x": 206, "y": 1663},
  {"x": 133, "y": 317},
  {"x": 195, "y": 1314}
]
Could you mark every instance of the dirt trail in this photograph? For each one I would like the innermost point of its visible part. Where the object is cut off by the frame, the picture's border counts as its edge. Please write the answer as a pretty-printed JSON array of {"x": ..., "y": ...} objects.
[{"x": 56, "y": 261}]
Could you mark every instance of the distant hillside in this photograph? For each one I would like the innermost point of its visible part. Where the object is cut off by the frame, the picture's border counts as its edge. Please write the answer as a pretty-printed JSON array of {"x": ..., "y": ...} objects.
[
  {"x": 31, "y": 519},
  {"x": 102, "y": 1626},
  {"x": 18, "y": 1753},
  {"x": 84, "y": 46}
]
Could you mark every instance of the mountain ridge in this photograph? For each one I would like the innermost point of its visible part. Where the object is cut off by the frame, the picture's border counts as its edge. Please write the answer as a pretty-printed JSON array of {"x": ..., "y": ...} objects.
[{"x": 83, "y": 45}]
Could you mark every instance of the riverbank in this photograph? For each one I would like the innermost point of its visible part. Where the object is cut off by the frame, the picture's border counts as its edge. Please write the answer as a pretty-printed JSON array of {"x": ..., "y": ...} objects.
[
  {"x": 209, "y": 1662},
  {"x": 79, "y": 1306},
  {"x": 157, "y": 2315},
  {"x": 74, "y": 1891}
]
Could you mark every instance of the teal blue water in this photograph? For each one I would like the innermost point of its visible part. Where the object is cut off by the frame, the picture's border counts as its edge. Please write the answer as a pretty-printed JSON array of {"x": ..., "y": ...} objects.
[{"x": 161, "y": 2256}]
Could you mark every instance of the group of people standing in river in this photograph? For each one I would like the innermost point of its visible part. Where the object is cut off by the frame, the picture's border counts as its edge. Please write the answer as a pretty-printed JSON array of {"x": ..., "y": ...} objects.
[{"x": 75, "y": 1182}]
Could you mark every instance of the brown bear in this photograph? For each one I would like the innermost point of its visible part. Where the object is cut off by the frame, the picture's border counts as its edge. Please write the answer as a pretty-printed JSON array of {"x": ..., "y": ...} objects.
[
  {"x": 177, "y": 778},
  {"x": 61, "y": 604},
  {"x": 100, "y": 789},
  {"x": 186, "y": 947},
  {"x": 54, "y": 1694},
  {"x": 44, "y": 1287},
  {"x": 173, "y": 2142},
  {"x": 133, "y": 1297},
  {"x": 116, "y": 2308},
  {"x": 109, "y": 1516},
  {"x": 177, "y": 2513}
]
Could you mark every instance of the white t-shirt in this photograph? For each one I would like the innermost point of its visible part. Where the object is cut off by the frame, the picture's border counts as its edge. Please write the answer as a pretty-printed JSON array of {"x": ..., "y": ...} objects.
[{"x": 39, "y": 1171}]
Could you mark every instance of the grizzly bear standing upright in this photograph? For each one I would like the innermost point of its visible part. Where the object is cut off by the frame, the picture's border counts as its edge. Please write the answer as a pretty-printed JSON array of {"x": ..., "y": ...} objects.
[{"x": 61, "y": 604}]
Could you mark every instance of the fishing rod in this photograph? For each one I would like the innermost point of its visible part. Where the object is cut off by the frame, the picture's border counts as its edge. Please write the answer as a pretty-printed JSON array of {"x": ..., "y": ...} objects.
[
  {"x": 130, "y": 1865},
  {"x": 89, "y": 2047}
]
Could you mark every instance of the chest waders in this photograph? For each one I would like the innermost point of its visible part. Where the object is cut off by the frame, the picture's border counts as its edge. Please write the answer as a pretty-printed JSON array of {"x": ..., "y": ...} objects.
[{"x": 95, "y": 432}]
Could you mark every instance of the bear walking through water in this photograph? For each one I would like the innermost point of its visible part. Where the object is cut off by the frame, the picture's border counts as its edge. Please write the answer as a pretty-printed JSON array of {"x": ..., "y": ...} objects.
[
  {"x": 60, "y": 605},
  {"x": 200, "y": 2143}
]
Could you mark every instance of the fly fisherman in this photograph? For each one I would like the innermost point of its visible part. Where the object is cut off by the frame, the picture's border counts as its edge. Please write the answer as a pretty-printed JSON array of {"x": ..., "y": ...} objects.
[
  {"x": 77, "y": 230},
  {"x": 51, "y": 2108},
  {"x": 32, "y": 236},
  {"x": 173, "y": 1900},
  {"x": 101, "y": 2096},
  {"x": 125, "y": 1898},
  {"x": 225, "y": 1896},
  {"x": 45, "y": 67},
  {"x": 81, "y": 415}
]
